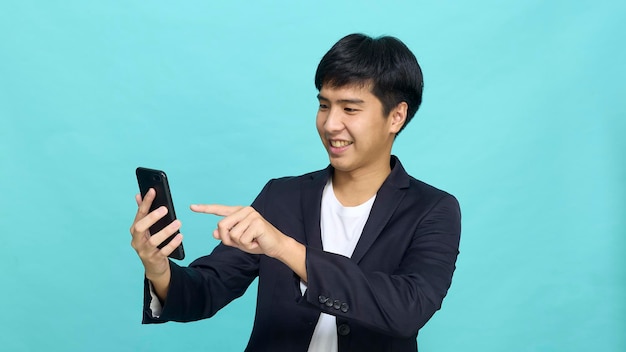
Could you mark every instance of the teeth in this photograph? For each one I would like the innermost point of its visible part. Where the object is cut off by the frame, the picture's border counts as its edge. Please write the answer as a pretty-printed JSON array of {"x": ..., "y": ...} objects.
[{"x": 338, "y": 144}]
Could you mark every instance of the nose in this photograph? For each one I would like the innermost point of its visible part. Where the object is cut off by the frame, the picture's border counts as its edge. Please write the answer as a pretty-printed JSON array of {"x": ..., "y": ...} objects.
[{"x": 333, "y": 121}]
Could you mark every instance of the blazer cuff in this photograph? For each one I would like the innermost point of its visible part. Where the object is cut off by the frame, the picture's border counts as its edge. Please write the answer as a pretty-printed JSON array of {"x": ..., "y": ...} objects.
[{"x": 155, "y": 311}]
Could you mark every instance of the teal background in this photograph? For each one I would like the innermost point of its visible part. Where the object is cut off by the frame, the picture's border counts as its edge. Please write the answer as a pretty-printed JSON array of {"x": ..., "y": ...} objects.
[{"x": 523, "y": 120}]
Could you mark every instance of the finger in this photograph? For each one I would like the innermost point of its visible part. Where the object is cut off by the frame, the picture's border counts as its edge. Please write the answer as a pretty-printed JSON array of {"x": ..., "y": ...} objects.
[
  {"x": 233, "y": 219},
  {"x": 248, "y": 238},
  {"x": 172, "y": 245},
  {"x": 140, "y": 230},
  {"x": 237, "y": 230},
  {"x": 229, "y": 223},
  {"x": 138, "y": 200},
  {"x": 215, "y": 209},
  {"x": 143, "y": 224},
  {"x": 224, "y": 237},
  {"x": 159, "y": 237},
  {"x": 144, "y": 204}
]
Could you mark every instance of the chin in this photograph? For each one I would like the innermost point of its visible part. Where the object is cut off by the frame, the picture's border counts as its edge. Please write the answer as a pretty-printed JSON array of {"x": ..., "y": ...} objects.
[{"x": 341, "y": 165}]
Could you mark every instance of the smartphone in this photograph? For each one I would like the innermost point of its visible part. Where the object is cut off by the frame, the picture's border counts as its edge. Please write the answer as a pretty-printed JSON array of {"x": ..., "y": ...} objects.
[{"x": 150, "y": 178}]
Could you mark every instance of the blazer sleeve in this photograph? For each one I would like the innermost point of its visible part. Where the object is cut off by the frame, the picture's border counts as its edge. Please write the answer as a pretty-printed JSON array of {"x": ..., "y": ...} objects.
[
  {"x": 400, "y": 303},
  {"x": 208, "y": 284}
]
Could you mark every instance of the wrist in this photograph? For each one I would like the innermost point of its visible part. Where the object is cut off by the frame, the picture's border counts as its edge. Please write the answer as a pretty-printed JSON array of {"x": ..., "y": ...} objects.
[
  {"x": 160, "y": 283},
  {"x": 293, "y": 254},
  {"x": 157, "y": 277}
]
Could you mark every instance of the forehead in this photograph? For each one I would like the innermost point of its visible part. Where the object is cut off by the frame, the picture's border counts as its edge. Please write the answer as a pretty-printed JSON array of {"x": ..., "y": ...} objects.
[{"x": 347, "y": 93}]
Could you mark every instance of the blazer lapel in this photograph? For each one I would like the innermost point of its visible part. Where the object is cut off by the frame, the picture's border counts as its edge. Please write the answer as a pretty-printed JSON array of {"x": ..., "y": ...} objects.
[
  {"x": 311, "y": 201},
  {"x": 387, "y": 200}
]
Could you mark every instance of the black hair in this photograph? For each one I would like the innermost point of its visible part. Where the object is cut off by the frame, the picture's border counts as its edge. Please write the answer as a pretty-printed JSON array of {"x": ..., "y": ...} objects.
[{"x": 385, "y": 63}]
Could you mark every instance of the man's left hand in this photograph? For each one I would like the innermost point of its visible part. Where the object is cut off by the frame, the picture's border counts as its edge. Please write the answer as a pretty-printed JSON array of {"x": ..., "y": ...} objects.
[{"x": 245, "y": 228}]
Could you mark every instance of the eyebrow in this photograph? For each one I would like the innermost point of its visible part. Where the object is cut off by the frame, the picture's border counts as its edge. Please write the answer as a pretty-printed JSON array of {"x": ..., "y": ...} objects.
[{"x": 344, "y": 101}]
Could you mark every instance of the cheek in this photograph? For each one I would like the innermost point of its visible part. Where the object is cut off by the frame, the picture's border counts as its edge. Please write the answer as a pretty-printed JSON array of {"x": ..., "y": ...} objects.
[{"x": 319, "y": 123}]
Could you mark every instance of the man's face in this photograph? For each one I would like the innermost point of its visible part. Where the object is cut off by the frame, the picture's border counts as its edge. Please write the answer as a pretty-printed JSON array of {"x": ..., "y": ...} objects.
[{"x": 353, "y": 129}]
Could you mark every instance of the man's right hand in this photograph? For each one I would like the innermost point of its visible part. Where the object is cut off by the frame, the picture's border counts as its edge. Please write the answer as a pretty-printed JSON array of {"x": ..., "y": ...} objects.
[{"x": 154, "y": 260}]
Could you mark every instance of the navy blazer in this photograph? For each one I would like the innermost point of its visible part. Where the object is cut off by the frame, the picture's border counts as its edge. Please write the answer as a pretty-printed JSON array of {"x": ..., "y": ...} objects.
[{"x": 396, "y": 279}]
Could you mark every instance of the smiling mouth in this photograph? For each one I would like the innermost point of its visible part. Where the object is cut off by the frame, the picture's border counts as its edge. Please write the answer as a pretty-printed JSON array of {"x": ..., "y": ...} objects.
[{"x": 339, "y": 144}]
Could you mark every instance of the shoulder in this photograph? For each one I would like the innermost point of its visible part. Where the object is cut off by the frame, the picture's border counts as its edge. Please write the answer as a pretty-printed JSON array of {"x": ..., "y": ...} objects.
[
  {"x": 281, "y": 200},
  {"x": 414, "y": 188},
  {"x": 426, "y": 206},
  {"x": 429, "y": 198},
  {"x": 288, "y": 190},
  {"x": 420, "y": 198},
  {"x": 425, "y": 189},
  {"x": 293, "y": 183}
]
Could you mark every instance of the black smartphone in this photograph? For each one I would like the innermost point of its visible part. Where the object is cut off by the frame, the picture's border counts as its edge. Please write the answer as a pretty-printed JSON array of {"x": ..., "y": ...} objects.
[{"x": 150, "y": 178}]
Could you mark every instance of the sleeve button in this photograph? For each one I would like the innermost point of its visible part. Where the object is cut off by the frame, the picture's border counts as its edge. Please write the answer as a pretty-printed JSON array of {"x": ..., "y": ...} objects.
[
  {"x": 322, "y": 299},
  {"x": 344, "y": 307},
  {"x": 336, "y": 304}
]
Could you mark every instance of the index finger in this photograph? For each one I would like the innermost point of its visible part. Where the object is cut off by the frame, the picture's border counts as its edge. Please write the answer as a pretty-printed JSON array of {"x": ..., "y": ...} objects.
[
  {"x": 144, "y": 204},
  {"x": 215, "y": 209}
]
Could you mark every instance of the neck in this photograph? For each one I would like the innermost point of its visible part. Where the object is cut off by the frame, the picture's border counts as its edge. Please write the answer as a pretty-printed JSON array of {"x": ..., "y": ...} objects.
[{"x": 353, "y": 188}]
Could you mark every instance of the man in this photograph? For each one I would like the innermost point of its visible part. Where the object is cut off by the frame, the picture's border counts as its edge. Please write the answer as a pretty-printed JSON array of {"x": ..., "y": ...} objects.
[{"x": 355, "y": 257}]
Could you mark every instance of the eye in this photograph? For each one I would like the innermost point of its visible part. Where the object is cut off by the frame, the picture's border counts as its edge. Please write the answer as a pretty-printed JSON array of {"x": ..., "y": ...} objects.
[
  {"x": 350, "y": 110},
  {"x": 323, "y": 106}
]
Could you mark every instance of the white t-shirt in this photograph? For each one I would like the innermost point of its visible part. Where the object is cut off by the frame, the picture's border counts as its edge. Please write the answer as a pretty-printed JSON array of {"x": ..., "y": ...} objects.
[{"x": 341, "y": 230}]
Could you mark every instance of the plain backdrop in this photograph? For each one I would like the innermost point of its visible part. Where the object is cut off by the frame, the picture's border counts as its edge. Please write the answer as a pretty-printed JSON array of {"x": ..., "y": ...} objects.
[{"x": 523, "y": 120}]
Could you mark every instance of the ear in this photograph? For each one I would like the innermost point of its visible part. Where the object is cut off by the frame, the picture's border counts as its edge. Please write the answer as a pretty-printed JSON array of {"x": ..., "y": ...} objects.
[{"x": 397, "y": 117}]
